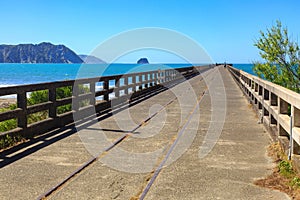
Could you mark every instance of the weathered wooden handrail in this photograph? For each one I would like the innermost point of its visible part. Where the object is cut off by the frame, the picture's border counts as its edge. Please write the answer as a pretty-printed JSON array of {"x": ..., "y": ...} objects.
[
  {"x": 274, "y": 103},
  {"x": 125, "y": 87}
]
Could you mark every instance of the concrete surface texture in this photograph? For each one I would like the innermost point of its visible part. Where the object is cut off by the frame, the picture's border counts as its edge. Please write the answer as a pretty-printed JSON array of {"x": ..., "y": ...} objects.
[{"x": 213, "y": 151}]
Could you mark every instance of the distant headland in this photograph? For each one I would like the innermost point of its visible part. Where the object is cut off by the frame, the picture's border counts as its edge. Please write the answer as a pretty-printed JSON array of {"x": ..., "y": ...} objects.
[
  {"x": 44, "y": 52},
  {"x": 91, "y": 59}
]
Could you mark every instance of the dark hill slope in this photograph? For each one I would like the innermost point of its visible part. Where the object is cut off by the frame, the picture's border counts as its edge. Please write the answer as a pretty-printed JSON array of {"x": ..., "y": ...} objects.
[{"x": 37, "y": 53}]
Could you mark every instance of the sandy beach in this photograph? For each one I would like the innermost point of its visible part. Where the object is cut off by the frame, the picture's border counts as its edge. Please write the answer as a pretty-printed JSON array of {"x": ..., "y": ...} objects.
[{"x": 5, "y": 103}]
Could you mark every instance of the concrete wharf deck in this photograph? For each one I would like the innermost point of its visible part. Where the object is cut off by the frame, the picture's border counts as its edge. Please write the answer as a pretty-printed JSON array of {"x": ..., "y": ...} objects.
[{"x": 207, "y": 149}]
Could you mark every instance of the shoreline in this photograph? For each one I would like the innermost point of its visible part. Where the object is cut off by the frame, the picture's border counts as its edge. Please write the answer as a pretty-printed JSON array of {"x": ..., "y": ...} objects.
[{"x": 6, "y": 102}]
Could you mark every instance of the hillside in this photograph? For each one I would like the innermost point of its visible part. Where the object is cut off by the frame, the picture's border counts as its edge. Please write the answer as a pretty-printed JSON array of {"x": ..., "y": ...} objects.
[
  {"x": 91, "y": 59},
  {"x": 37, "y": 53}
]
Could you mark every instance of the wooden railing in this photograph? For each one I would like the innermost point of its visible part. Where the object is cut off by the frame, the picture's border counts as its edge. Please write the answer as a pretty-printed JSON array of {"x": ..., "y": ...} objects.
[
  {"x": 278, "y": 107},
  {"x": 114, "y": 90}
]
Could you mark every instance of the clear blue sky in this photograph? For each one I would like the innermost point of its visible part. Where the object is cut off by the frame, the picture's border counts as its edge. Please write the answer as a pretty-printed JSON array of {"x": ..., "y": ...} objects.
[{"x": 227, "y": 29}]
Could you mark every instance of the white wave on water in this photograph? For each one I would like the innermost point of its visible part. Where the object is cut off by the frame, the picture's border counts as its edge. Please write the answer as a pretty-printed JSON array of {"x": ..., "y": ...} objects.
[
  {"x": 12, "y": 96},
  {"x": 6, "y": 85}
]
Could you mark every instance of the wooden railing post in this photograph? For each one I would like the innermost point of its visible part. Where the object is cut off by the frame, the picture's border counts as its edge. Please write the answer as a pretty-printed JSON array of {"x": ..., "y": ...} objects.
[
  {"x": 117, "y": 85},
  {"x": 167, "y": 75},
  {"x": 22, "y": 103},
  {"x": 106, "y": 88},
  {"x": 156, "y": 77},
  {"x": 141, "y": 82},
  {"x": 163, "y": 76},
  {"x": 93, "y": 92},
  {"x": 152, "y": 79},
  {"x": 75, "y": 101},
  {"x": 126, "y": 84},
  {"x": 146, "y": 79},
  {"x": 52, "y": 98},
  {"x": 134, "y": 83}
]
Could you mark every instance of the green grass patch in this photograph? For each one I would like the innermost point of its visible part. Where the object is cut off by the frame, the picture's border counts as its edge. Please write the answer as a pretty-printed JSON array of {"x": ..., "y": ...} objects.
[
  {"x": 295, "y": 182},
  {"x": 8, "y": 141},
  {"x": 286, "y": 169}
]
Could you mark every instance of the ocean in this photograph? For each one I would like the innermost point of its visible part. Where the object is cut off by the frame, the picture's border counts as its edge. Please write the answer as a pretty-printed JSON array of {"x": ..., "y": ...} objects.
[
  {"x": 245, "y": 67},
  {"x": 19, "y": 74}
]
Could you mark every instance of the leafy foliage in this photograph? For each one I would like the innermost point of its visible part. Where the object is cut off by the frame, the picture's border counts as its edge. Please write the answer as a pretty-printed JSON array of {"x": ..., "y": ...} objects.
[
  {"x": 296, "y": 182},
  {"x": 8, "y": 125},
  {"x": 282, "y": 58},
  {"x": 8, "y": 140},
  {"x": 286, "y": 168},
  {"x": 42, "y": 96},
  {"x": 38, "y": 97},
  {"x": 63, "y": 92}
]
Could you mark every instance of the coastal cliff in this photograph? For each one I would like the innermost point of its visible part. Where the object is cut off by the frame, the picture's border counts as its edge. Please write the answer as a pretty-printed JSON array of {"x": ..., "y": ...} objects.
[{"x": 37, "y": 53}]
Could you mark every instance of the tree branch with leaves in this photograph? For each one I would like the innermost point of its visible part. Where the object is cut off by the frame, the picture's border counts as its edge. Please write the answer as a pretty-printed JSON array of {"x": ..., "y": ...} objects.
[{"x": 282, "y": 58}]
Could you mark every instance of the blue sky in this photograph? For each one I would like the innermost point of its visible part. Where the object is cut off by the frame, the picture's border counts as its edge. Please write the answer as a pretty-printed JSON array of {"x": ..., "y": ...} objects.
[{"x": 226, "y": 29}]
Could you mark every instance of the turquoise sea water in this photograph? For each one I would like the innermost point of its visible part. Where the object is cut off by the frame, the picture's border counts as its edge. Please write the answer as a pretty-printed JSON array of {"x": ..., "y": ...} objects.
[
  {"x": 245, "y": 67},
  {"x": 18, "y": 74}
]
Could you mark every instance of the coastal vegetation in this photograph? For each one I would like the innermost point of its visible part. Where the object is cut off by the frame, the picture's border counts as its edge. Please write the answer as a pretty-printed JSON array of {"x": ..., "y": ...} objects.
[
  {"x": 281, "y": 65},
  {"x": 35, "y": 97},
  {"x": 284, "y": 177},
  {"x": 281, "y": 55}
]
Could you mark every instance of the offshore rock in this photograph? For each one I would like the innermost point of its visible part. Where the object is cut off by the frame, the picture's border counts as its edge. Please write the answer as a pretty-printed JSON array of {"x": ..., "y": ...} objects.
[{"x": 143, "y": 61}]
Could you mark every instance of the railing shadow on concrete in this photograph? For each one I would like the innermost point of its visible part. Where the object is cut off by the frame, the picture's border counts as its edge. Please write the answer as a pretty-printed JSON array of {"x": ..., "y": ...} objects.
[
  {"x": 278, "y": 108},
  {"x": 128, "y": 90}
]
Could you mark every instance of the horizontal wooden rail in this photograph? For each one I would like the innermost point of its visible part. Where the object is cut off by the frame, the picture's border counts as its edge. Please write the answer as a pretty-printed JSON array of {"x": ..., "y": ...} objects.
[
  {"x": 276, "y": 105},
  {"x": 88, "y": 94}
]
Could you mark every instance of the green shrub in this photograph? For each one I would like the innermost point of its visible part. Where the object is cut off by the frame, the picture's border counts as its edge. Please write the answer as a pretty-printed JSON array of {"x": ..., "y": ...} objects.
[
  {"x": 38, "y": 97},
  {"x": 8, "y": 124},
  {"x": 296, "y": 182},
  {"x": 286, "y": 169},
  {"x": 63, "y": 92},
  {"x": 41, "y": 96},
  {"x": 38, "y": 116}
]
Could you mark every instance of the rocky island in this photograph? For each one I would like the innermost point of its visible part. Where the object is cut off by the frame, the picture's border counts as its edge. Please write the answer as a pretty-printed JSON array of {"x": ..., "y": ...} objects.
[{"x": 143, "y": 61}]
